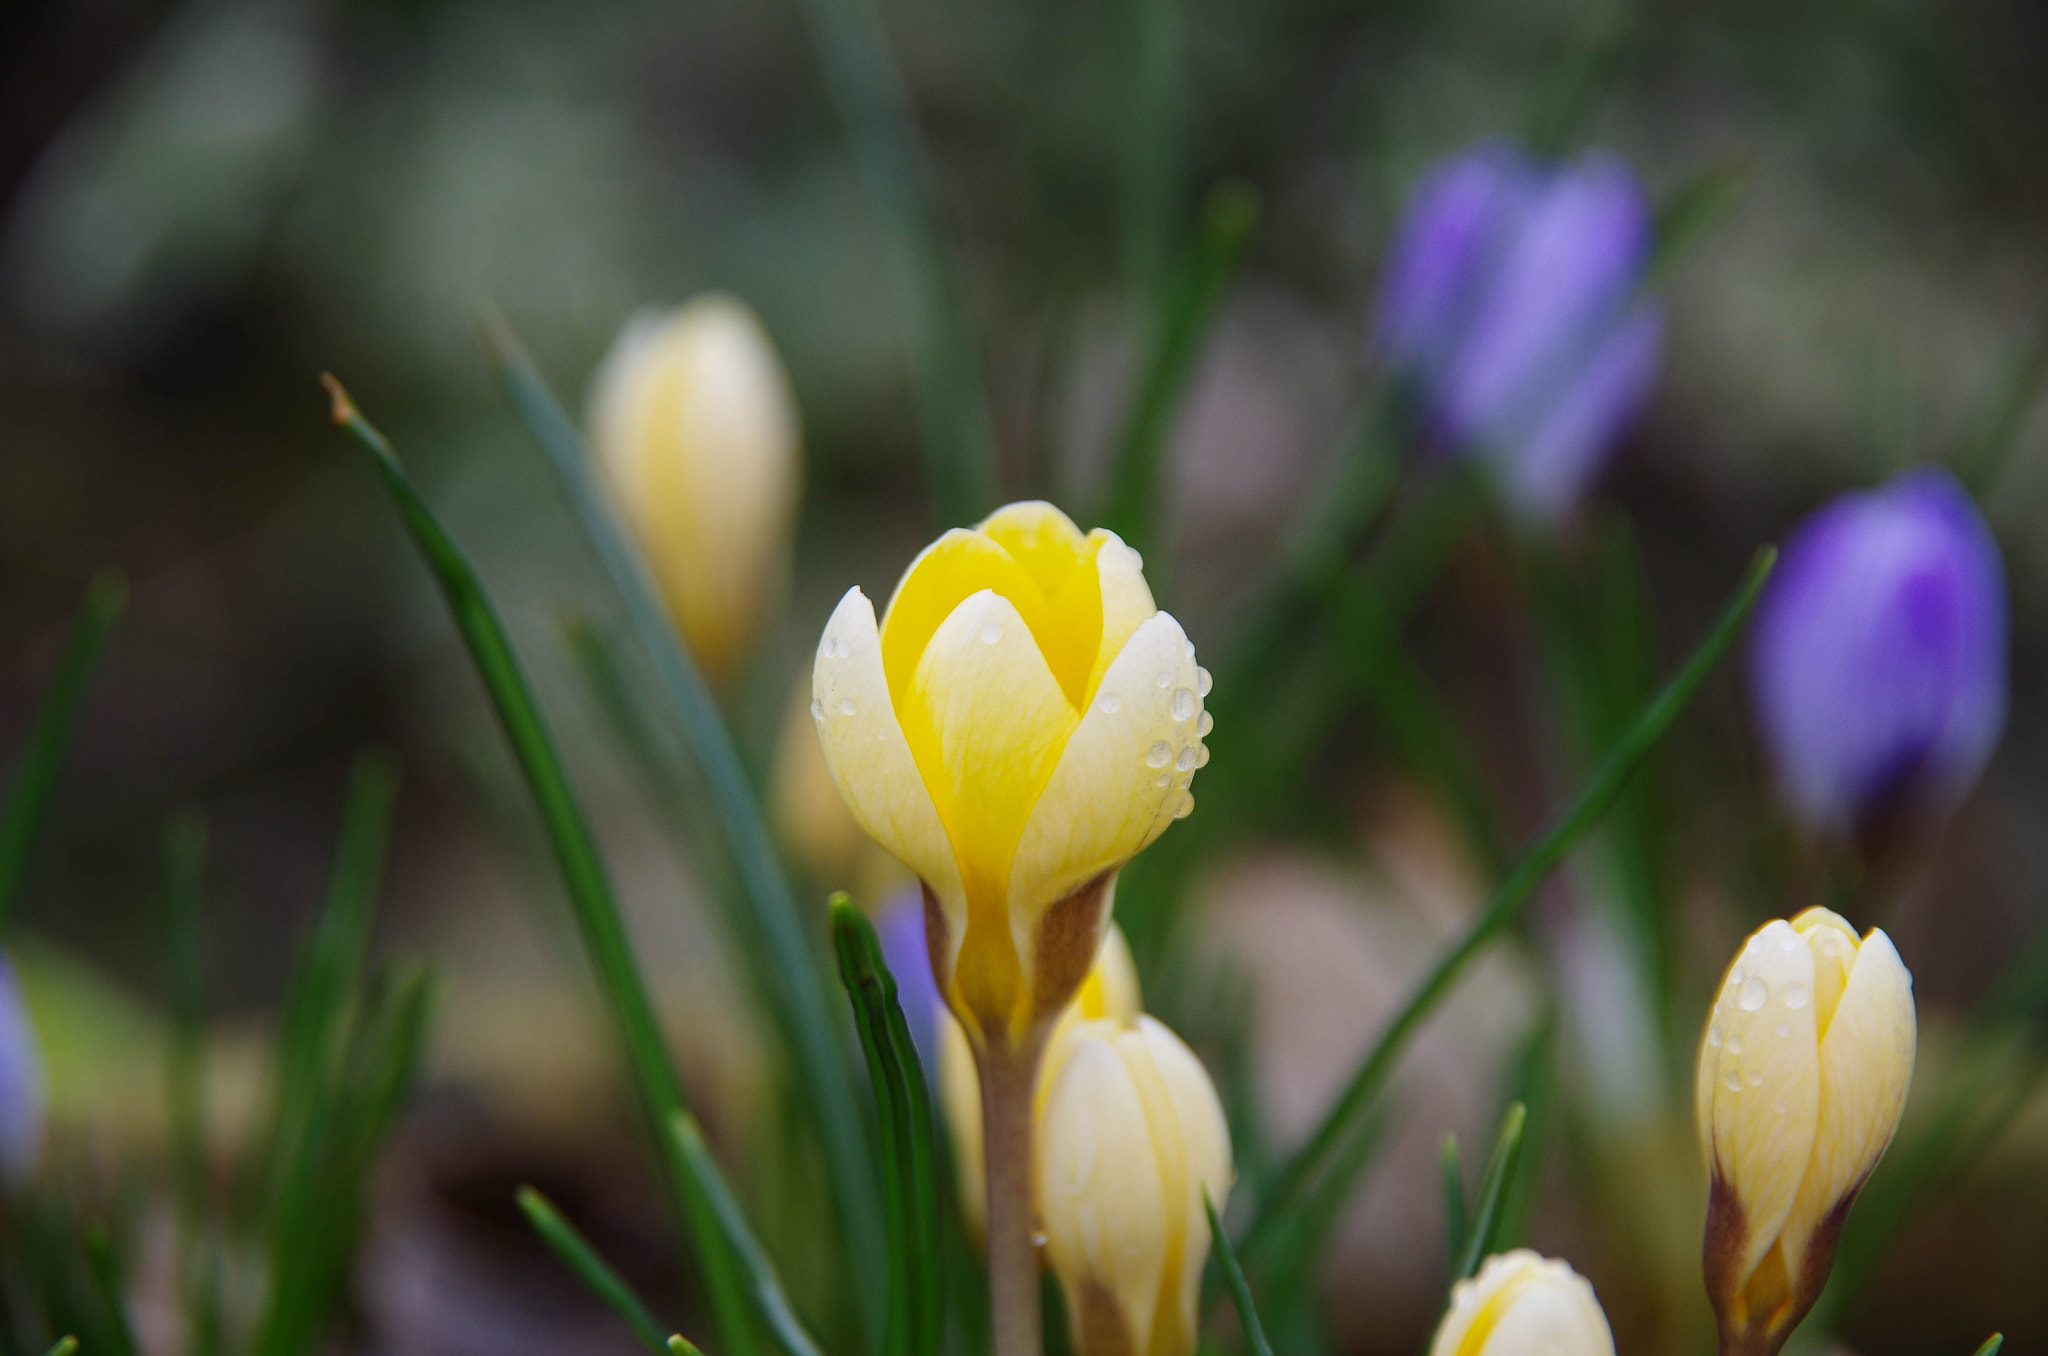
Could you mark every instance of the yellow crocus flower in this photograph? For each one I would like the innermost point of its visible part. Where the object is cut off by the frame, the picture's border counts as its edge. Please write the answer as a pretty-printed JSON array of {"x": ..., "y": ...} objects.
[
  {"x": 1802, "y": 1078},
  {"x": 1523, "y": 1304},
  {"x": 1022, "y": 722}
]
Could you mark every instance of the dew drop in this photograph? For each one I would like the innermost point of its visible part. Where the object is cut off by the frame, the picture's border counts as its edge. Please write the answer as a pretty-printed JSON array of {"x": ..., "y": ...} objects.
[
  {"x": 1164, "y": 680},
  {"x": 1778, "y": 1105},
  {"x": 1186, "y": 760},
  {"x": 1733, "y": 1081},
  {"x": 835, "y": 647},
  {"x": 1201, "y": 755},
  {"x": 1204, "y": 680},
  {"x": 1789, "y": 944},
  {"x": 1204, "y": 725},
  {"x": 1797, "y": 996},
  {"x": 1735, "y": 1044},
  {"x": 1183, "y": 704},
  {"x": 817, "y": 709},
  {"x": 1756, "y": 944},
  {"x": 1784, "y": 1030},
  {"x": 1038, "y": 1238},
  {"x": 1164, "y": 780},
  {"x": 991, "y": 633},
  {"x": 1756, "y": 1078},
  {"x": 846, "y": 707},
  {"x": 1159, "y": 755},
  {"x": 1713, "y": 1035},
  {"x": 1755, "y": 993},
  {"x": 1735, "y": 980},
  {"x": 1187, "y": 647},
  {"x": 1185, "y": 808},
  {"x": 1111, "y": 703}
]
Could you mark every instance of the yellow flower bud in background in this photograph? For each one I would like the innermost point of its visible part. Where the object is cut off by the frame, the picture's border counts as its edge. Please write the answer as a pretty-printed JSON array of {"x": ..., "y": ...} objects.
[
  {"x": 694, "y": 423},
  {"x": 1110, "y": 992},
  {"x": 1523, "y": 1304},
  {"x": 1130, "y": 1136},
  {"x": 1023, "y": 722},
  {"x": 1802, "y": 1076}
]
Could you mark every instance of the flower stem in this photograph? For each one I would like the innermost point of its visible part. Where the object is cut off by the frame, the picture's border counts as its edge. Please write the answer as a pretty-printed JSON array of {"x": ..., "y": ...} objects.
[{"x": 1007, "y": 1075}]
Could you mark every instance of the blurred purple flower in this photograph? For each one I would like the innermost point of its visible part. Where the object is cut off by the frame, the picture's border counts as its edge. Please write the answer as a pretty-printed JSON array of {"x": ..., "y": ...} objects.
[
  {"x": 1512, "y": 302},
  {"x": 1878, "y": 658},
  {"x": 900, "y": 927},
  {"x": 21, "y": 1082}
]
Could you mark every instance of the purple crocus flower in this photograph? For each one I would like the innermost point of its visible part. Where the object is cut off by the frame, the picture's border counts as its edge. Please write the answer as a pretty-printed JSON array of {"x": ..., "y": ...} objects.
[
  {"x": 21, "y": 1082},
  {"x": 1512, "y": 304},
  {"x": 1878, "y": 658},
  {"x": 900, "y": 928}
]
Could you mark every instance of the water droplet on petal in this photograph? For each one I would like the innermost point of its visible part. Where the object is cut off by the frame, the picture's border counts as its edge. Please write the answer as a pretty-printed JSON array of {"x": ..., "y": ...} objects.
[
  {"x": 1159, "y": 755},
  {"x": 1204, "y": 725},
  {"x": 1186, "y": 761},
  {"x": 1797, "y": 996},
  {"x": 1202, "y": 755},
  {"x": 991, "y": 632},
  {"x": 1164, "y": 780},
  {"x": 1204, "y": 680},
  {"x": 817, "y": 709},
  {"x": 1713, "y": 1035},
  {"x": 1165, "y": 678},
  {"x": 1733, "y": 1081},
  {"x": 846, "y": 707},
  {"x": 1784, "y": 1030},
  {"x": 1778, "y": 1105},
  {"x": 1038, "y": 1238},
  {"x": 1735, "y": 1044},
  {"x": 1185, "y": 808},
  {"x": 1756, "y": 1078},
  {"x": 1183, "y": 704},
  {"x": 1111, "y": 703},
  {"x": 1755, "y": 993},
  {"x": 1789, "y": 944},
  {"x": 1735, "y": 980}
]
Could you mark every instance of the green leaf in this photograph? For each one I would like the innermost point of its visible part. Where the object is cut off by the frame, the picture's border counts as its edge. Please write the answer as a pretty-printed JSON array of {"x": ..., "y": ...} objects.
[
  {"x": 1454, "y": 1199},
  {"x": 757, "y": 1274},
  {"x": 575, "y": 1252},
  {"x": 184, "y": 852},
  {"x": 1992, "y": 1344},
  {"x": 590, "y": 894},
  {"x": 1998, "y": 418},
  {"x": 66, "y": 1346},
  {"x": 679, "y": 1345},
  {"x": 909, "y": 1155},
  {"x": 42, "y": 756},
  {"x": 775, "y": 932},
  {"x": 1574, "y": 83},
  {"x": 952, "y": 408},
  {"x": 1233, "y": 1277},
  {"x": 1155, "y": 151},
  {"x": 1302, "y": 1171},
  {"x": 1694, "y": 210},
  {"x": 1493, "y": 1190},
  {"x": 104, "y": 1261},
  {"x": 1227, "y": 220}
]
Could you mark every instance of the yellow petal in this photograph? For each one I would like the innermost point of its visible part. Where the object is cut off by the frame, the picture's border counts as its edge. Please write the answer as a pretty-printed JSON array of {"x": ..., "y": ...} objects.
[
  {"x": 1111, "y": 989},
  {"x": 870, "y": 759},
  {"x": 1204, "y": 1148},
  {"x": 1126, "y": 598},
  {"x": 1833, "y": 943},
  {"x": 1552, "y": 1313},
  {"x": 1122, "y": 773},
  {"x": 1866, "y": 1064},
  {"x": 1765, "y": 1084}
]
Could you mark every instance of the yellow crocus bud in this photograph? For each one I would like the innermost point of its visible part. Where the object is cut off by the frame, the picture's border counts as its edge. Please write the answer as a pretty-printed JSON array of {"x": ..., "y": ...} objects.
[
  {"x": 1523, "y": 1304},
  {"x": 1802, "y": 1076},
  {"x": 694, "y": 423},
  {"x": 1023, "y": 721},
  {"x": 1130, "y": 1136},
  {"x": 1110, "y": 991}
]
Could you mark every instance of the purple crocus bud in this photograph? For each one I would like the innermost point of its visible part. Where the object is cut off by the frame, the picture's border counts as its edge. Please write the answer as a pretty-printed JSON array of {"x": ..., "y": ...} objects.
[
  {"x": 21, "y": 1083},
  {"x": 900, "y": 928},
  {"x": 1512, "y": 304},
  {"x": 1878, "y": 658}
]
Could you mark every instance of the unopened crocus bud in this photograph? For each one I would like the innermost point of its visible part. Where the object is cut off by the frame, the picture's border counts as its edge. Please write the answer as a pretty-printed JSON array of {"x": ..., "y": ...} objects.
[
  {"x": 1023, "y": 721},
  {"x": 1878, "y": 659},
  {"x": 21, "y": 1082},
  {"x": 1130, "y": 1137},
  {"x": 1512, "y": 305},
  {"x": 693, "y": 420},
  {"x": 1802, "y": 1076},
  {"x": 1523, "y": 1304},
  {"x": 1109, "y": 993}
]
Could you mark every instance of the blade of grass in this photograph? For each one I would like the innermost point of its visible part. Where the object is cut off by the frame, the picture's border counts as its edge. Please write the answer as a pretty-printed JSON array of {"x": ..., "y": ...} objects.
[
  {"x": 1992, "y": 1344},
  {"x": 68, "y": 1346},
  {"x": 1155, "y": 150},
  {"x": 583, "y": 874},
  {"x": 904, "y": 1106},
  {"x": 1233, "y": 1277},
  {"x": 1514, "y": 890},
  {"x": 1454, "y": 1199},
  {"x": 1692, "y": 212},
  {"x": 952, "y": 408},
  {"x": 1185, "y": 314},
  {"x": 104, "y": 1261},
  {"x": 1493, "y": 1191},
  {"x": 679, "y": 1345},
  {"x": 49, "y": 734},
  {"x": 1998, "y": 417},
  {"x": 756, "y": 1272},
  {"x": 776, "y": 931},
  {"x": 574, "y": 1251},
  {"x": 184, "y": 851}
]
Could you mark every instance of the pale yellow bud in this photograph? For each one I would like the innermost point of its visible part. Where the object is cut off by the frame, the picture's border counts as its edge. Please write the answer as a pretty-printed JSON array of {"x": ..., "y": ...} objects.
[
  {"x": 1130, "y": 1136},
  {"x": 1522, "y": 1304},
  {"x": 1802, "y": 1076},
  {"x": 694, "y": 423},
  {"x": 1109, "y": 992}
]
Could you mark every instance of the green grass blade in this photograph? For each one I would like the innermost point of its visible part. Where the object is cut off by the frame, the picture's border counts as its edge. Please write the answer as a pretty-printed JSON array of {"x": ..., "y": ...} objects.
[
  {"x": 1508, "y": 898},
  {"x": 184, "y": 867},
  {"x": 1997, "y": 422},
  {"x": 42, "y": 756},
  {"x": 679, "y": 1345},
  {"x": 1227, "y": 221},
  {"x": 1493, "y": 1191},
  {"x": 590, "y": 894},
  {"x": 575, "y": 1252},
  {"x": 1233, "y": 1277},
  {"x": 1454, "y": 1199},
  {"x": 763, "y": 1286},
  {"x": 1155, "y": 152},
  {"x": 904, "y": 1106},
  {"x": 1992, "y": 1344},
  {"x": 777, "y": 933},
  {"x": 952, "y": 408},
  {"x": 68, "y": 1346},
  {"x": 103, "y": 1259},
  {"x": 1694, "y": 210}
]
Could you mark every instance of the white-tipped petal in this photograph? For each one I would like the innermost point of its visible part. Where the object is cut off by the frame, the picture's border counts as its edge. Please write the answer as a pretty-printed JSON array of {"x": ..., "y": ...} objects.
[
  {"x": 1205, "y": 1147},
  {"x": 1765, "y": 1083},
  {"x": 1126, "y": 597},
  {"x": 1523, "y": 1304},
  {"x": 1124, "y": 771},
  {"x": 870, "y": 760}
]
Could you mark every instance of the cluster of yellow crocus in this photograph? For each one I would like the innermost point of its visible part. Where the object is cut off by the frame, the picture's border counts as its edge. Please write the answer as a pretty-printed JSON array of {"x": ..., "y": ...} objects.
[
  {"x": 694, "y": 424},
  {"x": 1802, "y": 1078},
  {"x": 1522, "y": 1304}
]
